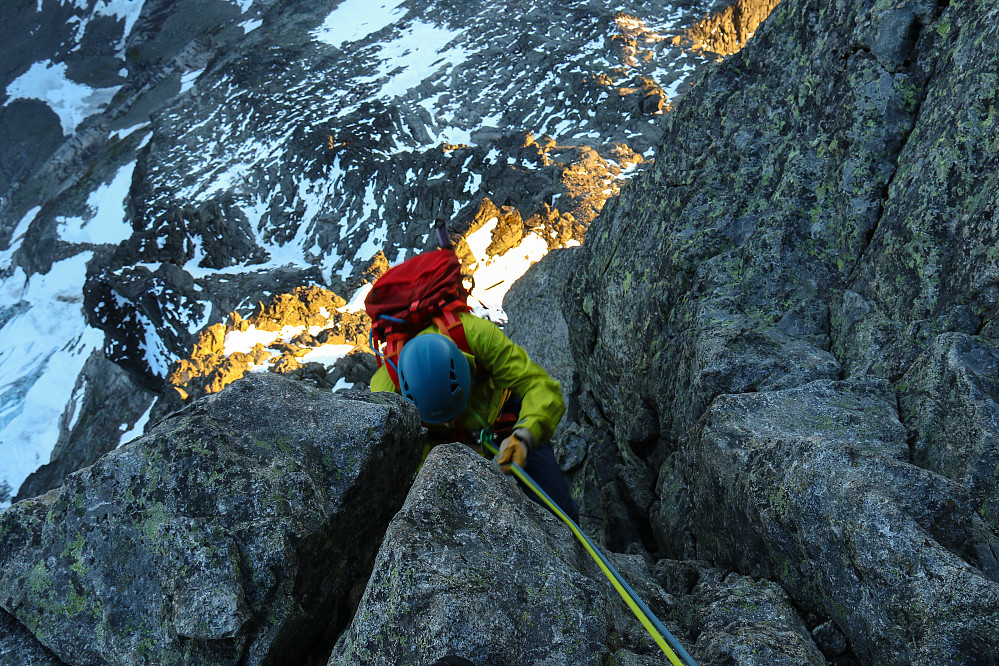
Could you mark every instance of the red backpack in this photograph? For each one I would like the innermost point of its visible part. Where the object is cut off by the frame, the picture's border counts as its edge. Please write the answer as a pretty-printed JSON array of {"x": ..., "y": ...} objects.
[{"x": 424, "y": 289}]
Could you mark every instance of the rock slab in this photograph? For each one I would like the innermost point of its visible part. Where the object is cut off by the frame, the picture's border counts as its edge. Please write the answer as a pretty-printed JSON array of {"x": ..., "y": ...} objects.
[{"x": 231, "y": 533}]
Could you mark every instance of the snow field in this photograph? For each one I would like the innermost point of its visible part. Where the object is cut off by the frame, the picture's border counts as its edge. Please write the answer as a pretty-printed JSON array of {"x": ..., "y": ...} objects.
[
  {"x": 353, "y": 20},
  {"x": 105, "y": 220},
  {"x": 44, "y": 349},
  {"x": 72, "y": 102}
]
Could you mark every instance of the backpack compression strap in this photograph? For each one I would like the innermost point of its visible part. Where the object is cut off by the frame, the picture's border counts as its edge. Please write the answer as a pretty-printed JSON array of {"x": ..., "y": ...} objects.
[{"x": 450, "y": 325}]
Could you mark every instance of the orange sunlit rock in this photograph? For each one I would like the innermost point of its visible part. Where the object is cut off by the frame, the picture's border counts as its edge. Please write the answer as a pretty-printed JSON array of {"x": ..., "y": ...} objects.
[{"x": 727, "y": 31}]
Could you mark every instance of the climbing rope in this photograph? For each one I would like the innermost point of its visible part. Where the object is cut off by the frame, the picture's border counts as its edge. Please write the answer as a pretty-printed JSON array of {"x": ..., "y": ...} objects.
[{"x": 660, "y": 634}]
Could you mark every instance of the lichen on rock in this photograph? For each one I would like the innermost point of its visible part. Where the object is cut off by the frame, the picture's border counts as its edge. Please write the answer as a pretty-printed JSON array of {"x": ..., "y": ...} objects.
[{"x": 218, "y": 537}]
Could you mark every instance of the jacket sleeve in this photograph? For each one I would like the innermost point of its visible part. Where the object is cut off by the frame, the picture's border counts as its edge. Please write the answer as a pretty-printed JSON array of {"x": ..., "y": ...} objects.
[
  {"x": 381, "y": 381},
  {"x": 510, "y": 367}
]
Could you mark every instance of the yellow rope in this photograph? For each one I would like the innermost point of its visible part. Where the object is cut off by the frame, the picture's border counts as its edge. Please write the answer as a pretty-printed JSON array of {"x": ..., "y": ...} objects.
[{"x": 612, "y": 576}]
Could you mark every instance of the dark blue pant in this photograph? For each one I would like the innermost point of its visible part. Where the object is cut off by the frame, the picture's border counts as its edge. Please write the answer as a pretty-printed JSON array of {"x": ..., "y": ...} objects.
[{"x": 543, "y": 468}]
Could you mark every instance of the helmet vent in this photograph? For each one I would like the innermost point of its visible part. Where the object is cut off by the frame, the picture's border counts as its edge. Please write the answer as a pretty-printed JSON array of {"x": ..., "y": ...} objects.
[{"x": 435, "y": 375}]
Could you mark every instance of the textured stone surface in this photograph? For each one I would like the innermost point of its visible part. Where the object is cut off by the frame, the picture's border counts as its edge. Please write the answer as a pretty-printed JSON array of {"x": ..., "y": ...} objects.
[
  {"x": 949, "y": 401},
  {"x": 833, "y": 222},
  {"x": 742, "y": 621},
  {"x": 471, "y": 567},
  {"x": 534, "y": 307},
  {"x": 232, "y": 532},
  {"x": 811, "y": 488}
]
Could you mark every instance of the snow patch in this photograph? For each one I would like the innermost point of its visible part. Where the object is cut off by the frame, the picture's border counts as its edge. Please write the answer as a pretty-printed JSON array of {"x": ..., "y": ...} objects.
[
  {"x": 418, "y": 52},
  {"x": 353, "y": 20},
  {"x": 104, "y": 220},
  {"x": 494, "y": 275},
  {"x": 44, "y": 349},
  {"x": 125, "y": 10},
  {"x": 187, "y": 80},
  {"x": 16, "y": 237},
  {"x": 122, "y": 133},
  {"x": 356, "y": 303},
  {"x": 251, "y": 25},
  {"x": 137, "y": 429},
  {"x": 72, "y": 102},
  {"x": 327, "y": 354},
  {"x": 245, "y": 341}
]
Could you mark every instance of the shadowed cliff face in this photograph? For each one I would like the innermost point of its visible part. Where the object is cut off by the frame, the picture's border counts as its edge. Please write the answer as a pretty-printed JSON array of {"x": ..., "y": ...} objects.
[
  {"x": 236, "y": 531},
  {"x": 785, "y": 333}
]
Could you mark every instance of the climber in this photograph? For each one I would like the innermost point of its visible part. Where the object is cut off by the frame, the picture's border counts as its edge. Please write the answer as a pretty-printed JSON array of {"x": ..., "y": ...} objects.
[
  {"x": 470, "y": 382},
  {"x": 494, "y": 390}
]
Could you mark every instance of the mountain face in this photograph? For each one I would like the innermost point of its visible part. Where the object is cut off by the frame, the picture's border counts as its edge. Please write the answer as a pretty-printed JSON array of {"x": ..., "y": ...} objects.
[
  {"x": 801, "y": 305},
  {"x": 776, "y": 339},
  {"x": 169, "y": 163}
]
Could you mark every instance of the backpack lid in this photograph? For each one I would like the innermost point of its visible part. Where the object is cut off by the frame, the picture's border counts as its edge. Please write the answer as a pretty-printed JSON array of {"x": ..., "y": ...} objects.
[{"x": 408, "y": 296}]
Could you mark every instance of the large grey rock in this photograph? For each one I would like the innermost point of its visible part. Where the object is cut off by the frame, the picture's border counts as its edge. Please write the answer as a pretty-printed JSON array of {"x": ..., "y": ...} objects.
[
  {"x": 949, "y": 402},
  {"x": 811, "y": 487},
  {"x": 232, "y": 532},
  {"x": 825, "y": 223},
  {"x": 471, "y": 567},
  {"x": 742, "y": 621}
]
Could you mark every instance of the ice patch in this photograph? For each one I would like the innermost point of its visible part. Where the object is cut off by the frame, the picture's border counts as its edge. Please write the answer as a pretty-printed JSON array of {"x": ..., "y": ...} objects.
[
  {"x": 353, "y": 20},
  {"x": 105, "y": 220},
  {"x": 72, "y": 102},
  {"x": 44, "y": 349}
]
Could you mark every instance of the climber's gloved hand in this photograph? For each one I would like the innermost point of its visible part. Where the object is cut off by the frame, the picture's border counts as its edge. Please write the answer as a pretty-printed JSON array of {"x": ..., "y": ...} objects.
[{"x": 514, "y": 449}]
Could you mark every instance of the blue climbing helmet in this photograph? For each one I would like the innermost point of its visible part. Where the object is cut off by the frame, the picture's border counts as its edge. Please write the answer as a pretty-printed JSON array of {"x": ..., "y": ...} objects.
[{"x": 435, "y": 376}]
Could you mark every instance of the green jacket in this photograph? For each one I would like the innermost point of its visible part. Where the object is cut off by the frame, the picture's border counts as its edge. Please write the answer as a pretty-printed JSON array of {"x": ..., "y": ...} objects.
[{"x": 509, "y": 367}]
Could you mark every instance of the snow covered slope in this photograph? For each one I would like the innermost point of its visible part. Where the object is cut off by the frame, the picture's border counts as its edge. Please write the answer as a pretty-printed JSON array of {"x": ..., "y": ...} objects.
[{"x": 193, "y": 158}]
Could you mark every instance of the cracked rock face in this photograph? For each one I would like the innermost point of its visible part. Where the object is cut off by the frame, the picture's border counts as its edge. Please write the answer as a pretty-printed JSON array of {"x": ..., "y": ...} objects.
[
  {"x": 218, "y": 537},
  {"x": 801, "y": 305},
  {"x": 470, "y": 567}
]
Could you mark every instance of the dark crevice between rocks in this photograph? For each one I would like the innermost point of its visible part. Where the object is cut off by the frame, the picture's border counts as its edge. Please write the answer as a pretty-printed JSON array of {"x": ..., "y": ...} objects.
[{"x": 914, "y": 34}]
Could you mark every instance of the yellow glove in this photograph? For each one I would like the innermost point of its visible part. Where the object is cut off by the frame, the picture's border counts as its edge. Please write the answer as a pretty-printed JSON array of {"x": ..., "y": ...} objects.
[{"x": 514, "y": 449}]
